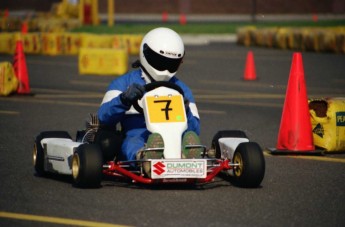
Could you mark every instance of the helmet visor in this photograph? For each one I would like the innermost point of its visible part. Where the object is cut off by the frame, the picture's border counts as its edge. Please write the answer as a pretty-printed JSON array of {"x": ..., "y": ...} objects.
[{"x": 160, "y": 62}]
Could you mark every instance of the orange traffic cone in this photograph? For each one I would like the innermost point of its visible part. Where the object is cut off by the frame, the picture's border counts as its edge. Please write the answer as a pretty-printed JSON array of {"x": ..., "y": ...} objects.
[
  {"x": 24, "y": 28},
  {"x": 249, "y": 71},
  {"x": 6, "y": 14},
  {"x": 183, "y": 19},
  {"x": 295, "y": 132},
  {"x": 20, "y": 69},
  {"x": 315, "y": 18},
  {"x": 165, "y": 16}
]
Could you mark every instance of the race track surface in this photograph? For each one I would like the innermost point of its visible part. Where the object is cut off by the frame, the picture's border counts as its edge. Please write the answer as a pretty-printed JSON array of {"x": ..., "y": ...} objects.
[{"x": 296, "y": 190}]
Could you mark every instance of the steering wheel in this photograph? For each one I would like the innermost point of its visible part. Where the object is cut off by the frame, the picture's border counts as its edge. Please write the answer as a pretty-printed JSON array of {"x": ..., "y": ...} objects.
[{"x": 154, "y": 85}]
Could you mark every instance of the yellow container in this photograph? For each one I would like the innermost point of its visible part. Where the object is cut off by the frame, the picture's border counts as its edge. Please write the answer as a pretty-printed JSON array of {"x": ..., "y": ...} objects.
[
  {"x": 72, "y": 43},
  {"x": 328, "y": 123},
  {"x": 8, "y": 80},
  {"x": 340, "y": 42},
  {"x": 32, "y": 43},
  {"x": 133, "y": 43},
  {"x": 103, "y": 61},
  {"x": 52, "y": 43},
  {"x": 7, "y": 44},
  {"x": 246, "y": 35},
  {"x": 119, "y": 41},
  {"x": 96, "y": 41},
  {"x": 327, "y": 41}
]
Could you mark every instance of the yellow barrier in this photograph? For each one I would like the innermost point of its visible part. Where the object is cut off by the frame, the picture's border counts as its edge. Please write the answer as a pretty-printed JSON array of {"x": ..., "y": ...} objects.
[
  {"x": 7, "y": 43},
  {"x": 330, "y": 39},
  {"x": 269, "y": 37},
  {"x": 8, "y": 80},
  {"x": 95, "y": 41},
  {"x": 52, "y": 43},
  {"x": 103, "y": 61},
  {"x": 246, "y": 35},
  {"x": 32, "y": 43},
  {"x": 132, "y": 42},
  {"x": 281, "y": 39},
  {"x": 340, "y": 41},
  {"x": 71, "y": 43},
  {"x": 328, "y": 122},
  {"x": 58, "y": 43}
]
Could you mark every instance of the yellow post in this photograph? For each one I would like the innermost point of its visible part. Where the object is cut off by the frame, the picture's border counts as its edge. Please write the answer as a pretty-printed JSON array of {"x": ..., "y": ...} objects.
[
  {"x": 94, "y": 12},
  {"x": 81, "y": 11},
  {"x": 110, "y": 13}
]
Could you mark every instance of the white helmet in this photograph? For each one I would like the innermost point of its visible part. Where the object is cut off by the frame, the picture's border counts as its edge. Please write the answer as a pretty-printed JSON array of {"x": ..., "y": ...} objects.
[{"x": 161, "y": 53}]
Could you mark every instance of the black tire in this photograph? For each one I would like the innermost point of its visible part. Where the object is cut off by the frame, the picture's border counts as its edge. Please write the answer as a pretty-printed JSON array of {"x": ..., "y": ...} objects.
[
  {"x": 38, "y": 151},
  {"x": 87, "y": 166},
  {"x": 80, "y": 135},
  {"x": 223, "y": 134},
  {"x": 251, "y": 169},
  {"x": 110, "y": 142}
]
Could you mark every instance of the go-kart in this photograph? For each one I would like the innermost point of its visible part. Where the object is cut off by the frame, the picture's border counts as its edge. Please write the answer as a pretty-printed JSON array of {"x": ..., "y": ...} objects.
[{"x": 94, "y": 152}]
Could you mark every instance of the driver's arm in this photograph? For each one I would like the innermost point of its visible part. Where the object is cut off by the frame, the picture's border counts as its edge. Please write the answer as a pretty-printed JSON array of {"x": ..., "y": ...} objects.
[
  {"x": 193, "y": 118},
  {"x": 117, "y": 100},
  {"x": 192, "y": 112},
  {"x": 112, "y": 109}
]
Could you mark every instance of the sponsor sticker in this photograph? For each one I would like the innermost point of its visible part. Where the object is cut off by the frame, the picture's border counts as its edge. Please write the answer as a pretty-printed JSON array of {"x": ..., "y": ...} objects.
[
  {"x": 340, "y": 117},
  {"x": 186, "y": 168},
  {"x": 318, "y": 130}
]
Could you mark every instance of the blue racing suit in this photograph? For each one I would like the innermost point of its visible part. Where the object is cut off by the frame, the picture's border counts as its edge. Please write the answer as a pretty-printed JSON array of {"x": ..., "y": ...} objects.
[{"x": 113, "y": 111}]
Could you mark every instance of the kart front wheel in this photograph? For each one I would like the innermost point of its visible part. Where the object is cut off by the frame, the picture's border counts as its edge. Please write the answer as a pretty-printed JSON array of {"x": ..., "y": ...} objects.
[
  {"x": 87, "y": 166},
  {"x": 250, "y": 165}
]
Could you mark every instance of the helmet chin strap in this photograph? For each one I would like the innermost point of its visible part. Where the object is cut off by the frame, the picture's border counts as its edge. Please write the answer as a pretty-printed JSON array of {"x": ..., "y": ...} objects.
[{"x": 137, "y": 64}]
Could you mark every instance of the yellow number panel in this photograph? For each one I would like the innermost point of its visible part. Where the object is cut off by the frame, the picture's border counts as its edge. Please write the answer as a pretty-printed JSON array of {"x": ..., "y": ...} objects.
[{"x": 165, "y": 109}]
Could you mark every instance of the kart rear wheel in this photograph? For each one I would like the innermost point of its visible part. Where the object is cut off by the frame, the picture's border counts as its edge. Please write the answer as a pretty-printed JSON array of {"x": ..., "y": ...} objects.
[
  {"x": 110, "y": 142},
  {"x": 38, "y": 151},
  {"x": 224, "y": 134},
  {"x": 251, "y": 165},
  {"x": 87, "y": 164}
]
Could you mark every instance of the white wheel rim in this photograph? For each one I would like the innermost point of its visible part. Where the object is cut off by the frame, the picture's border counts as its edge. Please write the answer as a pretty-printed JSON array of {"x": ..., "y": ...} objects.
[
  {"x": 34, "y": 155},
  {"x": 75, "y": 166},
  {"x": 238, "y": 170}
]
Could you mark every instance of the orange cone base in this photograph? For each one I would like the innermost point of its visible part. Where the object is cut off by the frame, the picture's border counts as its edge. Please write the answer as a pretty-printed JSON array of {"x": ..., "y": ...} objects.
[
  {"x": 250, "y": 78},
  {"x": 24, "y": 94},
  {"x": 275, "y": 151},
  {"x": 23, "y": 91}
]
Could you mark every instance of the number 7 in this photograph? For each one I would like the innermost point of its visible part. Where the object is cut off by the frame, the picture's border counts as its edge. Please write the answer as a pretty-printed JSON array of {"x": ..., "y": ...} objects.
[{"x": 166, "y": 109}]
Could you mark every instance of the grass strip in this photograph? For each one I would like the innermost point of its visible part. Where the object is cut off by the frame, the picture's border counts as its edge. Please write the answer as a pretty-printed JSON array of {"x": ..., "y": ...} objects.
[{"x": 200, "y": 28}]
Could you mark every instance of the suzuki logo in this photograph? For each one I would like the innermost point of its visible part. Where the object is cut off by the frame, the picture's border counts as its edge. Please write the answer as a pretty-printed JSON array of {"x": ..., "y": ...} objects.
[{"x": 158, "y": 168}]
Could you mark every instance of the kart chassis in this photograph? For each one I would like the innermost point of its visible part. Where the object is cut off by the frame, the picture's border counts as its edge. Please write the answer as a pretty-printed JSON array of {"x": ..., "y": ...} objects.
[{"x": 231, "y": 152}]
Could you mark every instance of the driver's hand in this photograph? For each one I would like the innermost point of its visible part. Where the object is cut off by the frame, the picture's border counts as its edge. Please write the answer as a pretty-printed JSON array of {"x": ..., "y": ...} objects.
[{"x": 133, "y": 93}]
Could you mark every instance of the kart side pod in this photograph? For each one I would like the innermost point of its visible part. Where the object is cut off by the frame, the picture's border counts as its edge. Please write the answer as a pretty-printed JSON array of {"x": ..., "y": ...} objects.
[
  {"x": 58, "y": 153},
  {"x": 228, "y": 146}
]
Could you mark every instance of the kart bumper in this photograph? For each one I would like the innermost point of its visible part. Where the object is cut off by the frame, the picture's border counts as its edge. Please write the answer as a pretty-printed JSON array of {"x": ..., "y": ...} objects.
[{"x": 211, "y": 171}]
